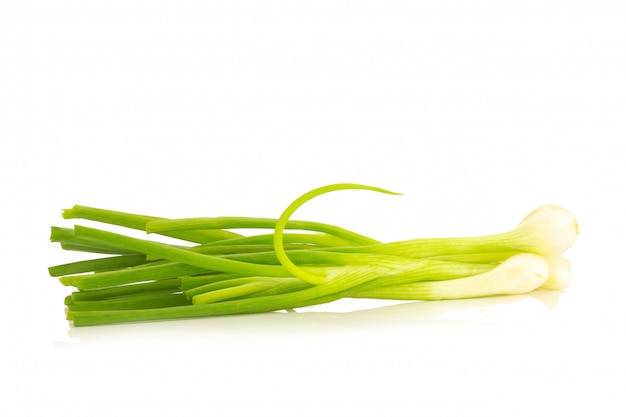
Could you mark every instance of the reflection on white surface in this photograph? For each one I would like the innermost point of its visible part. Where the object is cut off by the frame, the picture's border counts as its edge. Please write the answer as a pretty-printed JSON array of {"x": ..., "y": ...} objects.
[
  {"x": 468, "y": 357},
  {"x": 348, "y": 315}
]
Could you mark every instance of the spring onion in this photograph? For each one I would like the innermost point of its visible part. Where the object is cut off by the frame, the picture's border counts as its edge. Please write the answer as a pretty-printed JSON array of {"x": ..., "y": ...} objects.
[{"x": 212, "y": 270}]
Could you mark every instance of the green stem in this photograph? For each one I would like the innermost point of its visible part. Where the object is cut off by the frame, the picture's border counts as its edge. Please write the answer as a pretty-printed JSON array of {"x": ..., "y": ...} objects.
[
  {"x": 177, "y": 254},
  {"x": 68, "y": 240},
  {"x": 233, "y": 249},
  {"x": 313, "y": 239},
  {"x": 188, "y": 282},
  {"x": 149, "y": 300},
  {"x": 209, "y": 223},
  {"x": 229, "y": 293},
  {"x": 503, "y": 243},
  {"x": 227, "y": 283},
  {"x": 160, "y": 270},
  {"x": 138, "y": 222},
  {"x": 123, "y": 290},
  {"x": 349, "y": 278},
  {"x": 97, "y": 265}
]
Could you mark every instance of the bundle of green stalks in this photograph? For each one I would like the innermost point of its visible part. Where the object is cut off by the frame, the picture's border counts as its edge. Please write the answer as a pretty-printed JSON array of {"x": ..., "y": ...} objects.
[{"x": 215, "y": 271}]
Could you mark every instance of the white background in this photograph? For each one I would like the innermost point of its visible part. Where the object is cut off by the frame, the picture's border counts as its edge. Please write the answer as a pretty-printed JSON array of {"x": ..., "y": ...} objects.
[{"x": 478, "y": 111}]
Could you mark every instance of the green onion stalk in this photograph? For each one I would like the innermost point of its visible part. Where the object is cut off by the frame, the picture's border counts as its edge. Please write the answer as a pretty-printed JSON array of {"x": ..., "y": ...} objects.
[{"x": 212, "y": 270}]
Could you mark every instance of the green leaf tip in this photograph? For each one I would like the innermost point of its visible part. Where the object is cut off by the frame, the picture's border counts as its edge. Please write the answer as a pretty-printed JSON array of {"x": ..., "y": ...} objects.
[{"x": 291, "y": 209}]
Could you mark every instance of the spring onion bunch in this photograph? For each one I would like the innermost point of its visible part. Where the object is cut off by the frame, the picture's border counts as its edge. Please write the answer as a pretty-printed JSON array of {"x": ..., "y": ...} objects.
[{"x": 213, "y": 270}]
